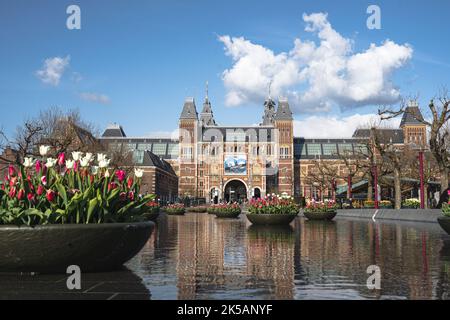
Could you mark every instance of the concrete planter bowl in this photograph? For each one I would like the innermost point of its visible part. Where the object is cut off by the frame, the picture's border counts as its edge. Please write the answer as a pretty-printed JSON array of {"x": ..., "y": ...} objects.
[
  {"x": 229, "y": 215},
  {"x": 151, "y": 215},
  {"x": 270, "y": 219},
  {"x": 444, "y": 222},
  {"x": 52, "y": 248},
  {"x": 326, "y": 215}
]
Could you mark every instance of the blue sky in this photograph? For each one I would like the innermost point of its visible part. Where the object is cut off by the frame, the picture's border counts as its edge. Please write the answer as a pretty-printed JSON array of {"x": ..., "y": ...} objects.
[{"x": 134, "y": 62}]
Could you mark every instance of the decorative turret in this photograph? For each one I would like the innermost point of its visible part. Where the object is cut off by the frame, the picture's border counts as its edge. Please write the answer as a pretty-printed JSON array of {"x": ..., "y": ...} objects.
[
  {"x": 206, "y": 116},
  {"x": 414, "y": 130},
  {"x": 269, "y": 112}
]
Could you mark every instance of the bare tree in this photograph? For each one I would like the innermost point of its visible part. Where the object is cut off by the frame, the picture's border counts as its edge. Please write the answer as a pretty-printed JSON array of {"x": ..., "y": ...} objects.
[{"x": 439, "y": 134}]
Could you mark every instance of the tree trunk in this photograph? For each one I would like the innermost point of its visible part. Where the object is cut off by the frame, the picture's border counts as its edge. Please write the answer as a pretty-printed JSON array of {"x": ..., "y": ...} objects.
[
  {"x": 397, "y": 189},
  {"x": 443, "y": 171}
]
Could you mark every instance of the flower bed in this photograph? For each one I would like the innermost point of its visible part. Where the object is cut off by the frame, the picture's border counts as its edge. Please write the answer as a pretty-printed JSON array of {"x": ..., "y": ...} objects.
[
  {"x": 199, "y": 209},
  {"x": 52, "y": 207},
  {"x": 272, "y": 210},
  {"x": 412, "y": 203},
  {"x": 369, "y": 204},
  {"x": 385, "y": 204},
  {"x": 153, "y": 209},
  {"x": 175, "y": 209},
  {"x": 320, "y": 210},
  {"x": 232, "y": 210}
]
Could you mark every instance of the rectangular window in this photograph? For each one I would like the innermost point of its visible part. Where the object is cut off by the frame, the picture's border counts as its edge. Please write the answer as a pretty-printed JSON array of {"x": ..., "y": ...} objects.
[
  {"x": 159, "y": 149},
  {"x": 329, "y": 149},
  {"x": 144, "y": 146},
  {"x": 314, "y": 149},
  {"x": 172, "y": 150},
  {"x": 138, "y": 156},
  {"x": 345, "y": 148}
]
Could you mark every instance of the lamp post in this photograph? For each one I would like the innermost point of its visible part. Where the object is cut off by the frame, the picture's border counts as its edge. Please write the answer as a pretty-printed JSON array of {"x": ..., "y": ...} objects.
[{"x": 422, "y": 183}]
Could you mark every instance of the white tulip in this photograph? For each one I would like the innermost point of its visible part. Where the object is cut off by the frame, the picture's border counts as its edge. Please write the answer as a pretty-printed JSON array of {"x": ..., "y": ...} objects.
[
  {"x": 76, "y": 155},
  {"x": 50, "y": 162},
  {"x": 28, "y": 162},
  {"x": 84, "y": 162},
  {"x": 101, "y": 157},
  {"x": 107, "y": 173},
  {"x": 104, "y": 163},
  {"x": 138, "y": 173},
  {"x": 43, "y": 150},
  {"x": 94, "y": 170},
  {"x": 70, "y": 164},
  {"x": 89, "y": 156}
]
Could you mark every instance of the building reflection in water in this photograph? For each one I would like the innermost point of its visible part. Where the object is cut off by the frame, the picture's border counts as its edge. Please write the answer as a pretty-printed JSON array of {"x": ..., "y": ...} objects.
[{"x": 198, "y": 256}]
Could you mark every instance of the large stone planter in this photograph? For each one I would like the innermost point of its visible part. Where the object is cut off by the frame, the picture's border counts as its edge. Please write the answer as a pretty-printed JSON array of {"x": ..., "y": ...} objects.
[
  {"x": 444, "y": 222},
  {"x": 52, "y": 248},
  {"x": 270, "y": 219},
  {"x": 328, "y": 215},
  {"x": 151, "y": 215},
  {"x": 227, "y": 214}
]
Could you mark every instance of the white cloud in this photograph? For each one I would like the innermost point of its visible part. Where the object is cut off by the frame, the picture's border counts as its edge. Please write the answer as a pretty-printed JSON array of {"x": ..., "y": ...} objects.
[
  {"x": 338, "y": 127},
  {"x": 315, "y": 76},
  {"x": 95, "y": 97},
  {"x": 164, "y": 134},
  {"x": 53, "y": 69}
]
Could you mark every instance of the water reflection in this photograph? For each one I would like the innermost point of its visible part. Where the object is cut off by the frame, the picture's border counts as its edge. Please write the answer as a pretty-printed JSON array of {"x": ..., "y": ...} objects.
[{"x": 197, "y": 256}]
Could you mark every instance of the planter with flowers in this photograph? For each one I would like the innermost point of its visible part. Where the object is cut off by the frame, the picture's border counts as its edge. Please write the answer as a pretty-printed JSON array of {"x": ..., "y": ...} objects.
[
  {"x": 198, "y": 209},
  {"x": 176, "y": 209},
  {"x": 56, "y": 212},
  {"x": 412, "y": 203},
  {"x": 444, "y": 221},
  {"x": 320, "y": 210},
  {"x": 272, "y": 210},
  {"x": 152, "y": 210},
  {"x": 225, "y": 210}
]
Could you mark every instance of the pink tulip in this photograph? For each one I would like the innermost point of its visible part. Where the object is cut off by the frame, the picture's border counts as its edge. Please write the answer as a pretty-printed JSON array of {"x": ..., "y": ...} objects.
[
  {"x": 38, "y": 166},
  {"x": 11, "y": 171},
  {"x": 112, "y": 186},
  {"x": 12, "y": 192},
  {"x": 21, "y": 194},
  {"x": 61, "y": 159},
  {"x": 44, "y": 180},
  {"x": 131, "y": 195},
  {"x": 120, "y": 174},
  {"x": 130, "y": 182},
  {"x": 40, "y": 190},
  {"x": 30, "y": 197}
]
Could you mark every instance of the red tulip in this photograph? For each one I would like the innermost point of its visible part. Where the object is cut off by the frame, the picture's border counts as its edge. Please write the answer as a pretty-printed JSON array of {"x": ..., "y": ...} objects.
[
  {"x": 11, "y": 171},
  {"x": 40, "y": 190},
  {"x": 130, "y": 182},
  {"x": 120, "y": 174},
  {"x": 61, "y": 159},
  {"x": 21, "y": 194},
  {"x": 50, "y": 195},
  {"x": 38, "y": 166},
  {"x": 112, "y": 186},
  {"x": 30, "y": 197},
  {"x": 12, "y": 192},
  {"x": 131, "y": 195}
]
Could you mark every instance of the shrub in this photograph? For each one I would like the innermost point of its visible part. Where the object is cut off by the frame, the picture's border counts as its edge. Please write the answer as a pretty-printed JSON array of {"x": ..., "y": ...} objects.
[
  {"x": 198, "y": 209},
  {"x": 321, "y": 206},
  {"x": 369, "y": 204},
  {"x": 59, "y": 191},
  {"x": 385, "y": 204},
  {"x": 446, "y": 209},
  {"x": 152, "y": 207},
  {"x": 273, "y": 205}
]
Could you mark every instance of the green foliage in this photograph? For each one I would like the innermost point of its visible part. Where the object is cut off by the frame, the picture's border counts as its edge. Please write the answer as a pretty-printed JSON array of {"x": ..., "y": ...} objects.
[{"x": 446, "y": 209}]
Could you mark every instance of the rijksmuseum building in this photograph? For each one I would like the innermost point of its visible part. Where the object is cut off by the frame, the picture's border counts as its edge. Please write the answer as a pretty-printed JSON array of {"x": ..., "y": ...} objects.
[{"x": 215, "y": 162}]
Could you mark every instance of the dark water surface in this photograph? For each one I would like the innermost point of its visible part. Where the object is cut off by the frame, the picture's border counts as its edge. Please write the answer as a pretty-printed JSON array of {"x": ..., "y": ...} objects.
[{"x": 198, "y": 256}]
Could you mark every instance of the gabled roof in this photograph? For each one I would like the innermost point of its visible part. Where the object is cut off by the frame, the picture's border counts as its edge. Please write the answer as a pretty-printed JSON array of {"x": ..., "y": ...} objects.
[
  {"x": 114, "y": 130},
  {"x": 412, "y": 115},
  {"x": 189, "y": 110},
  {"x": 284, "y": 111},
  {"x": 386, "y": 135},
  {"x": 152, "y": 160}
]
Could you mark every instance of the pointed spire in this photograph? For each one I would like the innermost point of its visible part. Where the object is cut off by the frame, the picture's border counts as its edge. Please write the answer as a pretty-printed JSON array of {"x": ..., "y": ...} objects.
[
  {"x": 270, "y": 87},
  {"x": 284, "y": 111},
  {"x": 206, "y": 96},
  {"x": 189, "y": 109},
  {"x": 269, "y": 108},
  {"x": 206, "y": 116}
]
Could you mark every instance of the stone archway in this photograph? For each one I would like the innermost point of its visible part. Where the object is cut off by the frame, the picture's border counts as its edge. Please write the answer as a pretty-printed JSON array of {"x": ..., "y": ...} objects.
[{"x": 235, "y": 191}]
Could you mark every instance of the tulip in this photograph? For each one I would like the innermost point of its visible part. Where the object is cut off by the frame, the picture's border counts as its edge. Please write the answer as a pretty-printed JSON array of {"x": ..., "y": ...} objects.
[
  {"x": 94, "y": 170},
  {"x": 75, "y": 166},
  {"x": 122, "y": 196},
  {"x": 107, "y": 173},
  {"x": 50, "y": 162},
  {"x": 120, "y": 174},
  {"x": 61, "y": 159},
  {"x": 21, "y": 194},
  {"x": 11, "y": 171},
  {"x": 101, "y": 157},
  {"x": 130, "y": 182},
  {"x": 50, "y": 195},
  {"x": 30, "y": 197},
  {"x": 138, "y": 173},
  {"x": 28, "y": 162},
  {"x": 12, "y": 192},
  {"x": 40, "y": 190},
  {"x": 44, "y": 180},
  {"x": 89, "y": 156},
  {"x": 70, "y": 164},
  {"x": 76, "y": 155},
  {"x": 104, "y": 163},
  {"x": 84, "y": 162},
  {"x": 131, "y": 195},
  {"x": 112, "y": 186},
  {"x": 13, "y": 181},
  {"x": 38, "y": 166},
  {"x": 43, "y": 150}
]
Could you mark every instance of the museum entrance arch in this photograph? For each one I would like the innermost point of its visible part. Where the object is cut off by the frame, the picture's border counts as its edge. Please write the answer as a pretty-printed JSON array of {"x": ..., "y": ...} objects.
[{"x": 235, "y": 191}]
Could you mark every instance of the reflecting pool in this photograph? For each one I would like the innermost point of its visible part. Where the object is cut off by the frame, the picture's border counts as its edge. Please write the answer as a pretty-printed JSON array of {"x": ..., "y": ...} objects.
[{"x": 198, "y": 256}]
